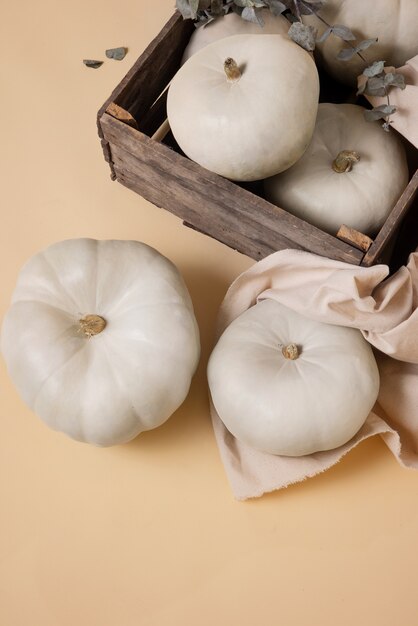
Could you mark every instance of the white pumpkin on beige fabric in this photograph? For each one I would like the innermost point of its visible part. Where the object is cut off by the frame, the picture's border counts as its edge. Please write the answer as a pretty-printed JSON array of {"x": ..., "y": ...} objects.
[
  {"x": 233, "y": 24},
  {"x": 288, "y": 385},
  {"x": 393, "y": 22},
  {"x": 352, "y": 173},
  {"x": 101, "y": 339},
  {"x": 245, "y": 106}
]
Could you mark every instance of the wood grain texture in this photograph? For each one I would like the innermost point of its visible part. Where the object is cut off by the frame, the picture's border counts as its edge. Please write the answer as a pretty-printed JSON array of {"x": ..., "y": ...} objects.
[
  {"x": 408, "y": 201},
  {"x": 210, "y": 203}
]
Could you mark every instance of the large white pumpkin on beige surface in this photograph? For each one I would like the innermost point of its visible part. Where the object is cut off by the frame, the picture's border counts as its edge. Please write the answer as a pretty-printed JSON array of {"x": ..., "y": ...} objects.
[
  {"x": 288, "y": 385},
  {"x": 101, "y": 339},
  {"x": 320, "y": 190},
  {"x": 393, "y": 22},
  {"x": 233, "y": 24},
  {"x": 245, "y": 106}
]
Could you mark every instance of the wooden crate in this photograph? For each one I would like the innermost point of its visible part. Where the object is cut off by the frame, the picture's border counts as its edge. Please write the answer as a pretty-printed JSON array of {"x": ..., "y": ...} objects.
[{"x": 232, "y": 213}]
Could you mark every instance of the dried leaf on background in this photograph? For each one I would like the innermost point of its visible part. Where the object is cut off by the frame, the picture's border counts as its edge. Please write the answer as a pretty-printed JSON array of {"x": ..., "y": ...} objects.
[
  {"x": 92, "y": 63},
  {"x": 116, "y": 53}
]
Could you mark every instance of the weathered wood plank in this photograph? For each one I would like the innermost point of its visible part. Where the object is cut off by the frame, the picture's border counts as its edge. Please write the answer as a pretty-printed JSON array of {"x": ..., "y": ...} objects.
[
  {"x": 212, "y": 203},
  {"x": 233, "y": 239},
  {"x": 408, "y": 199},
  {"x": 241, "y": 232}
]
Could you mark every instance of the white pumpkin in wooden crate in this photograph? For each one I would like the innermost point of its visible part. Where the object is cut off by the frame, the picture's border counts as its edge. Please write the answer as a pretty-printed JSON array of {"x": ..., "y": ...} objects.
[
  {"x": 233, "y": 24},
  {"x": 393, "y": 22},
  {"x": 101, "y": 339},
  {"x": 352, "y": 173},
  {"x": 285, "y": 384},
  {"x": 245, "y": 106}
]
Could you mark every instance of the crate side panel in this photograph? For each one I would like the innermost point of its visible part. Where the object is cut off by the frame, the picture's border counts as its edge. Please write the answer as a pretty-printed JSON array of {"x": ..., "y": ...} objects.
[
  {"x": 196, "y": 187},
  {"x": 249, "y": 246},
  {"x": 408, "y": 201},
  {"x": 215, "y": 219}
]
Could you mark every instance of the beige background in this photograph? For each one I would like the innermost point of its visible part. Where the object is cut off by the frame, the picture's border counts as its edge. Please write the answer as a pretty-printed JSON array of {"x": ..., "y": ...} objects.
[{"x": 148, "y": 533}]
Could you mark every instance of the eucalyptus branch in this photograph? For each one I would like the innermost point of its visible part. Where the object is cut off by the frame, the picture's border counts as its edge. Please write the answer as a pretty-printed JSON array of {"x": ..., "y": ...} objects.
[
  {"x": 376, "y": 81},
  {"x": 321, "y": 19},
  {"x": 297, "y": 11}
]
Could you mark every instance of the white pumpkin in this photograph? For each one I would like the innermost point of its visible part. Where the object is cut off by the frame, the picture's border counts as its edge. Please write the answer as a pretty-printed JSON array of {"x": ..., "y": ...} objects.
[
  {"x": 245, "y": 106},
  {"x": 319, "y": 190},
  {"x": 233, "y": 24},
  {"x": 393, "y": 22},
  {"x": 100, "y": 339},
  {"x": 287, "y": 385}
]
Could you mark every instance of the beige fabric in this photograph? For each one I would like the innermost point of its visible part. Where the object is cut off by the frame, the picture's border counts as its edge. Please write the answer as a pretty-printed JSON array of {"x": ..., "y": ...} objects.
[
  {"x": 385, "y": 310},
  {"x": 406, "y": 101}
]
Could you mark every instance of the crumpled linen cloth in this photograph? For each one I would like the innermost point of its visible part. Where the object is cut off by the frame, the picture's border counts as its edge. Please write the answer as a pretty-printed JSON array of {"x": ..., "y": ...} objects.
[
  {"x": 383, "y": 307},
  {"x": 405, "y": 100}
]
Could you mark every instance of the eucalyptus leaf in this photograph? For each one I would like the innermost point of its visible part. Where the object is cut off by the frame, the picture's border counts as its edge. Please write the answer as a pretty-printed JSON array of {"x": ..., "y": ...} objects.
[
  {"x": 374, "y": 69},
  {"x": 277, "y": 7},
  {"x": 244, "y": 3},
  {"x": 184, "y": 7},
  {"x": 338, "y": 30},
  {"x": 325, "y": 35},
  {"x": 393, "y": 79},
  {"x": 303, "y": 35},
  {"x": 194, "y": 7},
  {"x": 116, "y": 53},
  {"x": 92, "y": 63},
  {"x": 252, "y": 15},
  {"x": 308, "y": 7},
  {"x": 346, "y": 54},
  {"x": 363, "y": 45},
  {"x": 342, "y": 32},
  {"x": 375, "y": 86},
  {"x": 379, "y": 113}
]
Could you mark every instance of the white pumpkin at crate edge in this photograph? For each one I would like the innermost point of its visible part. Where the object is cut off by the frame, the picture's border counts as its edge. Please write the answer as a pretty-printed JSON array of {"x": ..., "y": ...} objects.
[
  {"x": 233, "y": 24},
  {"x": 101, "y": 339},
  {"x": 319, "y": 189},
  {"x": 393, "y": 22},
  {"x": 244, "y": 107},
  {"x": 288, "y": 385}
]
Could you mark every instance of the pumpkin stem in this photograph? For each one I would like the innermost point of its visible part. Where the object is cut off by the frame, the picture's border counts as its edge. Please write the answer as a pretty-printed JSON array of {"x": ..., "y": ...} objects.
[
  {"x": 345, "y": 160},
  {"x": 232, "y": 70},
  {"x": 92, "y": 325},
  {"x": 290, "y": 351}
]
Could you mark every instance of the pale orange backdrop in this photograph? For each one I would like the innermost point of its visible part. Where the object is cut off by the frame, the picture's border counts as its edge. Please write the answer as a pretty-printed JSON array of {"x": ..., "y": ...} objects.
[{"x": 148, "y": 534}]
